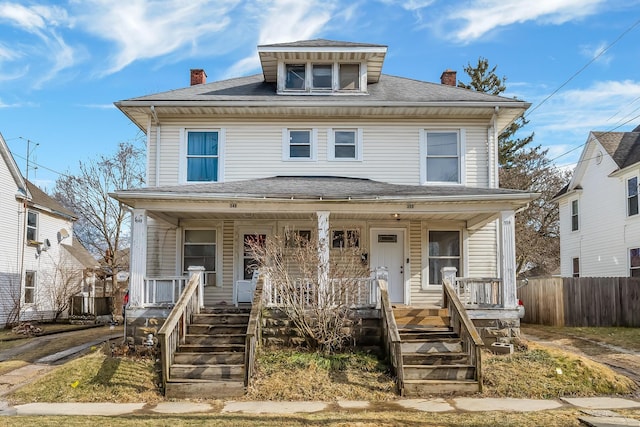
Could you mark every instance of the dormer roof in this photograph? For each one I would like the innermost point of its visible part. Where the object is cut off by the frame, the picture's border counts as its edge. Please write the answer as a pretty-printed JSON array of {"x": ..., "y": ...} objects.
[{"x": 322, "y": 50}]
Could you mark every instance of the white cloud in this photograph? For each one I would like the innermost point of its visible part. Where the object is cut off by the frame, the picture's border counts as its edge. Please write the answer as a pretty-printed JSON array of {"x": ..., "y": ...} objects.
[
  {"x": 597, "y": 53},
  {"x": 482, "y": 16},
  {"x": 143, "y": 29}
]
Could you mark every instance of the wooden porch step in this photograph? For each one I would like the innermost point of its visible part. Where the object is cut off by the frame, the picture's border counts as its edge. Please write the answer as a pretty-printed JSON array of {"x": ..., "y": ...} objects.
[
  {"x": 200, "y": 329},
  {"x": 211, "y": 348},
  {"x": 207, "y": 372},
  {"x": 423, "y": 334},
  {"x": 403, "y": 321},
  {"x": 441, "y": 358},
  {"x": 207, "y": 340},
  {"x": 439, "y": 372},
  {"x": 193, "y": 388},
  {"x": 199, "y": 358},
  {"x": 225, "y": 309},
  {"x": 221, "y": 318},
  {"x": 446, "y": 345},
  {"x": 420, "y": 312},
  {"x": 423, "y": 388}
]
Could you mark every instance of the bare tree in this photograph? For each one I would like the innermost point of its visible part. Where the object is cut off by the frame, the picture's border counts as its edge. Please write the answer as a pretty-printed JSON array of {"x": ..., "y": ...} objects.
[
  {"x": 103, "y": 222},
  {"x": 10, "y": 292},
  {"x": 61, "y": 283},
  {"x": 318, "y": 306}
]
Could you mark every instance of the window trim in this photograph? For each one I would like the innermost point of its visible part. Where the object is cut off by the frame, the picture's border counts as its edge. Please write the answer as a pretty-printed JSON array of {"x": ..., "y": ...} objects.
[
  {"x": 575, "y": 226},
  {"x": 34, "y": 274},
  {"x": 461, "y": 132},
  {"x": 313, "y": 148},
  {"x": 630, "y": 268},
  {"x": 35, "y": 227},
  {"x": 629, "y": 198},
  {"x": 575, "y": 272},
  {"x": 184, "y": 134},
  {"x": 218, "y": 249},
  {"x": 331, "y": 145},
  {"x": 427, "y": 257}
]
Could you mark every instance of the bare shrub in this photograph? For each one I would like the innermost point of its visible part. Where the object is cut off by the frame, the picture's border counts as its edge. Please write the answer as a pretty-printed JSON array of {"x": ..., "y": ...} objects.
[{"x": 317, "y": 297}]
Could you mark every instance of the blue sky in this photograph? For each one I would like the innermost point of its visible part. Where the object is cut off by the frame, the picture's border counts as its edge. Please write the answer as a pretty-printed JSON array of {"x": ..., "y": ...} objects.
[{"x": 64, "y": 63}]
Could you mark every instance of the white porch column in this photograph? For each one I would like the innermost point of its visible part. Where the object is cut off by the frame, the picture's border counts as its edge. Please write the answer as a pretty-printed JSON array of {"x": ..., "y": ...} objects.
[
  {"x": 323, "y": 252},
  {"x": 508, "y": 258},
  {"x": 138, "y": 257}
]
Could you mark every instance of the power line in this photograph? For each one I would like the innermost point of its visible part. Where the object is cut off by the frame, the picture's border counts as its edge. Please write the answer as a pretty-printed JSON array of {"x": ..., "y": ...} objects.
[{"x": 39, "y": 165}]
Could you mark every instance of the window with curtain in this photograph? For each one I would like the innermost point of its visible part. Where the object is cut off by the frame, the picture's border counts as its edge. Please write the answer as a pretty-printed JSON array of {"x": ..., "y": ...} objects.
[
  {"x": 202, "y": 156},
  {"x": 443, "y": 156},
  {"x": 444, "y": 251},
  {"x": 632, "y": 196}
]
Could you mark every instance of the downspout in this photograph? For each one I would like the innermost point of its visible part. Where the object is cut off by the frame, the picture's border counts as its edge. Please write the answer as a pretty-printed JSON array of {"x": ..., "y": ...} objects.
[
  {"x": 493, "y": 170},
  {"x": 157, "y": 123}
]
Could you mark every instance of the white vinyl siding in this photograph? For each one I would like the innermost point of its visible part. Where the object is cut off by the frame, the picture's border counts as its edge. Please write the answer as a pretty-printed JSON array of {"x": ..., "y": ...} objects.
[
  {"x": 481, "y": 251},
  {"x": 390, "y": 151},
  {"x": 162, "y": 249}
]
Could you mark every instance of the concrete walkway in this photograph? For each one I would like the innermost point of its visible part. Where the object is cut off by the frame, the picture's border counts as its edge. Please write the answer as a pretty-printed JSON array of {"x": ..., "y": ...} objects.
[{"x": 598, "y": 411}]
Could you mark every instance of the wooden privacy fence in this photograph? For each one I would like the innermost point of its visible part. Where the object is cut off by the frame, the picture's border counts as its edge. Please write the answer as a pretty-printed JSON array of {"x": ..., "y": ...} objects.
[{"x": 581, "y": 301}]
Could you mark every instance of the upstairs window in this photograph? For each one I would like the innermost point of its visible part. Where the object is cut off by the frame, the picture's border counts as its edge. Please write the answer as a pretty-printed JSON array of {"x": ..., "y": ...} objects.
[
  {"x": 322, "y": 76},
  {"x": 441, "y": 157},
  {"x": 632, "y": 196},
  {"x": 299, "y": 144},
  {"x": 32, "y": 226},
  {"x": 349, "y": 77},
  {"x": 574, "y": 215},
  {"x": 202, "y": 156},
  {"x": 296, "y": 77},
  {"x": 344, "y": 144}
]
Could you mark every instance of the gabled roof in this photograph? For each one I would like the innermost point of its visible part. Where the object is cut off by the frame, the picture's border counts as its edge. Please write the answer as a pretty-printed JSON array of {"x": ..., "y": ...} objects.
[
  {"x": 79, "y": 252},
  {"x": 321, "y": 43},
  {"x": 623, "y": 147},
  {"x": 41, "y": 200},
  {"x": 13, "y": 167}
]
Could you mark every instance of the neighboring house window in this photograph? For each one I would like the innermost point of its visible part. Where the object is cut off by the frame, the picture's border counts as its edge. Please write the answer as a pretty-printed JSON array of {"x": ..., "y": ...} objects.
[
  {"x": 444, "y": 251},
  {"x": 32, "y": 226},
  {"x": 574, "y": 215},
  {"x": 345, "y": 239},
  {"x": 297, "y": 238},
  {"x": 345, "y": 144},
  {"x": 441, "y": 157},
  {"x": 349, "y": 77},
  {"x": 30, "y": 287},
  {"x": 296, "y": 76},
  {"x": 199, "y": 250},
  {"x": 322, "y": 76},
  {"x": 632, "y": 196},
  {"x": 203, "y": 157},
  {"x": 299, "y": 144},
  {"x": 575, "y": 263},
  {"x": 634, "y": 262}
]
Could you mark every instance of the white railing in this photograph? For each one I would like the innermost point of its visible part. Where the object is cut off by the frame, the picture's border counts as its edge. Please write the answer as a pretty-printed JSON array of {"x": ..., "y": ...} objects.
[
  {"x": 163, "y": 290},
  {"x": 357, "y": 292},
  {"x": 479, "y": 292}
]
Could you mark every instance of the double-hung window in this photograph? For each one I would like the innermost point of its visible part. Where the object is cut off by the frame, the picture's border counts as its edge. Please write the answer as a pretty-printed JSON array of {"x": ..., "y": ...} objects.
[
  {"x": 203, "y": 156},
  {"x": 632, "y": 196},
  {"x": 29, "y": 287},
  {"x": 299, "y": 144},
  {"x": 442, "y": 156},
  {"x": 345, "y": 144},
  {"x": 444, "y": 251},
  {"x": 199, "y": 250},
  {"x": 345, "y": 238},
  {"x": 32, "y": 226},
  {"x": 574, "y": 215},
  {"x": 634, "y": 262},
  {"x": 575, "y": 267}
]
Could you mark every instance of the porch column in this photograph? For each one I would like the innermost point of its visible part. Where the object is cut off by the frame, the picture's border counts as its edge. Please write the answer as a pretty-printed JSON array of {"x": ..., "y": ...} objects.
[
  {"x": 138, "y": 257},
  {"x": 508, "y": 258},
  {"x": 323, "y": 253}
]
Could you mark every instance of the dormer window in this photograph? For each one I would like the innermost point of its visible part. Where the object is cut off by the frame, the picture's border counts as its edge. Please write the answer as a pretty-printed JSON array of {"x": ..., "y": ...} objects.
[
  {"x": 321, "y": 78},
  {"x": 296, "y": 77},
  {"x": 349, "y": 76}
]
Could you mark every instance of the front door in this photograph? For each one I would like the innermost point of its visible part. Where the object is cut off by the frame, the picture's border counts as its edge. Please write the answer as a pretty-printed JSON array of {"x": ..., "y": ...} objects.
[
  {"x": 387, "y": 250},
  {"x": 245, "y": 263}
]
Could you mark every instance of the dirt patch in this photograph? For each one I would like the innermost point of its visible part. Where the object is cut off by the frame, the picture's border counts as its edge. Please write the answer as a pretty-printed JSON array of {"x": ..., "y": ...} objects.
[{"x": 622, "y": 360}]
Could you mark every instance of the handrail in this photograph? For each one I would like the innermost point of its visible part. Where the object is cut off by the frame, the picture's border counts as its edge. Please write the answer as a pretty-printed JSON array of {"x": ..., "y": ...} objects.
[
  {"x": 253, "y": 332},
  {"x": 463, "y": 326},
  {"x": 173, "y": 331},
  {"x": 391, "y": 336}
]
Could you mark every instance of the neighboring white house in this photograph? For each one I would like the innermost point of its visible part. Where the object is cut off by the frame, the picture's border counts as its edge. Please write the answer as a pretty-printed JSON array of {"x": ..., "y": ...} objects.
[
  {"x": 322, "y": 142},
  {"x": 599, "y": 219},
  {"x": 34, "y": 267}
]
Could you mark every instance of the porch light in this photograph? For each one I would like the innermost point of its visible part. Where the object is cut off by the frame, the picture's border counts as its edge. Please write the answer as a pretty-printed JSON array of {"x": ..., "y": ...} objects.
[{"x": 396, "y": 216}]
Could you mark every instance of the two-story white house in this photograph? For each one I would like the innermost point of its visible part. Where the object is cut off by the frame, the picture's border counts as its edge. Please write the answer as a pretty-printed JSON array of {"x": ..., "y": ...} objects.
[
  {"x": 599, "y": 216},
  {"x": 37, "y": 269},
  {"x": 323, "y": 142}
]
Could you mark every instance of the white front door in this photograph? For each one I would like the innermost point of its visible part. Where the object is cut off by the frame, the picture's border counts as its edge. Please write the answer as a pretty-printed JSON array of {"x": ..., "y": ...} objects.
[{"x": 387, "y": 250}]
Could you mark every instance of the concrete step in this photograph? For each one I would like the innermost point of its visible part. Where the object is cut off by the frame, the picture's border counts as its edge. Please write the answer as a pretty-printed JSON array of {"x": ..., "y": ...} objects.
[
  {"x": 205, "y": 339},
  {"x": 220, "y": 319},
  {"x": 195, "y": 358},
  {"x": 447, "y": 345},
  {"x": 424, "y": 388},
  {"x": 207, "y": 372},
  {"x": 211, "y": 348},
  {"x": 217, "y": 329},
  {"x": 189, "y": 389},
  {"x": 446, "y": 358},
  {"x": 439, "y": 372}
]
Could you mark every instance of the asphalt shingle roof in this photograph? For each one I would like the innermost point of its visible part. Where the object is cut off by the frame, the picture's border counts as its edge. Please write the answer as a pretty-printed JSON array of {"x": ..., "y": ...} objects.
[
  {"x": 39, "y": 197},
  {"x": 321, "y": 43},
  {"x": 623, "y": 147}
]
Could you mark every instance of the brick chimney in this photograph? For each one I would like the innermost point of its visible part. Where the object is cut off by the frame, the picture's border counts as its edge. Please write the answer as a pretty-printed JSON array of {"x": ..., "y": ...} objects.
[
  {"x": 199, "y": 77},
  {"x": 448, "y": 77}
]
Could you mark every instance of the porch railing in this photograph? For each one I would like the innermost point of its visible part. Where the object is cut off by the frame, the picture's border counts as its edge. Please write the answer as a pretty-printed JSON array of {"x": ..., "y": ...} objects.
[
  {"x": 356, "y": 292},
  {"x": 173, "y": 331},
  {"x": 163, "y": 290},
  {"x": 462, "y": 325},
  {"x": 253, "y": 338},
  {"x": 390, "y": 333},
  {"x": 479, "y": 292}
]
